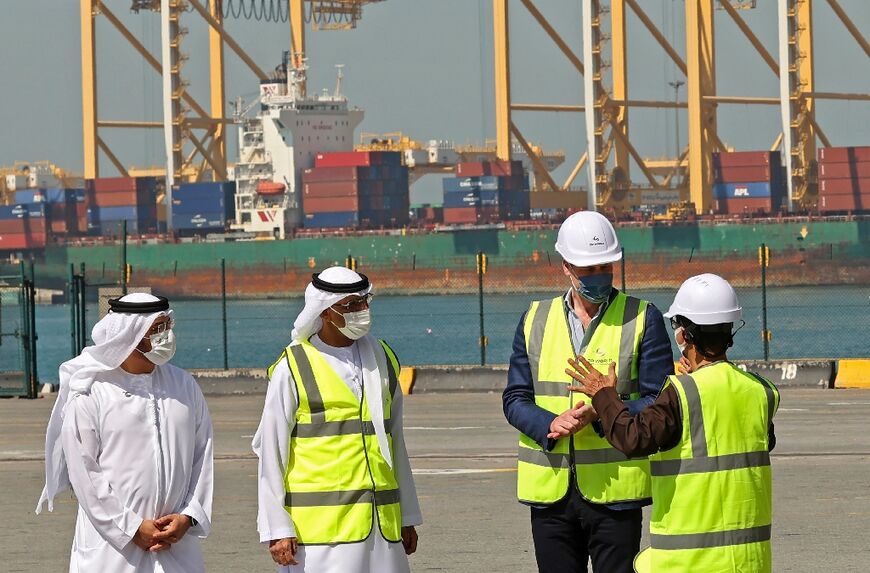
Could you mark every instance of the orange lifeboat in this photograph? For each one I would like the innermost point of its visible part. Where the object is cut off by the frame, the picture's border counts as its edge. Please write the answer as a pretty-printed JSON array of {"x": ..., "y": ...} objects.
[{"x": 270, "y": 188}]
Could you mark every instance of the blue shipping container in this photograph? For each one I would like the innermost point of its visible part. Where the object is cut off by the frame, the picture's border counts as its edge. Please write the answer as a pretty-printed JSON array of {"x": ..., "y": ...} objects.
[
  {"x": 199, "y": 221},
  {"x": 470, "y": 198},
  {"x": 30, "y": 196},
  {"x": 331, "y": 220},
  {"x": 743, "y": 190},
  {"x": 57, "y": 195}
]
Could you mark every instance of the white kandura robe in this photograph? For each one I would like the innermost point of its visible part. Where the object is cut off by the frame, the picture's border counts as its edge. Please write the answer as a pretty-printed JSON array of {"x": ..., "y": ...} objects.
[
  {"x": 138, "y": 447},
  {"x": 375, "y": 554}
]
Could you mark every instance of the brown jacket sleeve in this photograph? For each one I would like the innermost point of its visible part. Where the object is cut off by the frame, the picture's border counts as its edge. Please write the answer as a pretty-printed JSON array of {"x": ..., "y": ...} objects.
[{"x": 657, "y": 427}]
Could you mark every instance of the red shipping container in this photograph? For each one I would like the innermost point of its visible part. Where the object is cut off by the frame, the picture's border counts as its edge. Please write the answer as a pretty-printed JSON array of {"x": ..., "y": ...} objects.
[
  {"x": 488, "y": 214},
  {"x": 331, "y": 189},
  {"x": 746, "y": 158},
  {"x": 844, "y": 203},
  {"x": 844, "y": 154},
  {"x": 110, "y": 184},
  {"x": 742, "y": 174},
  {"x": 315, "y": 204},
  {"x": 346, "y": 159},
  {"x": 35, "y": 225},
  {"x": 845, "y": 186},
  {"x": 472, "y": 169},
  {"x": 743, "y": 206},
  {"x": 59, "y": 227},
  {"x": 828, "y": 170},
  {"x": 115, "y": 198},
  {"x": 18, "y": 241},
  {"x": 13, "y": 226},
  {"x": 460, "y": 215},
  {"x": 330, "y": 174},
  {"x": 506, "y": 168}
]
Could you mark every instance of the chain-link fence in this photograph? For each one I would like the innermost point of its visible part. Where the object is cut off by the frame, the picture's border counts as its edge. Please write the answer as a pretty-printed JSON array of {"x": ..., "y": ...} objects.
[{"x": 817, "y": 304}]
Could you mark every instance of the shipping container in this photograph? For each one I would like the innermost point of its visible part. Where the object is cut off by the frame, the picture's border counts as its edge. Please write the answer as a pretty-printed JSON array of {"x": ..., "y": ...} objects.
[
  {"x": 211, "y": 221},
  {"x": 460, "y": 215},
  {"x": 845, "y": 186},
  {"x": 746, "y": 158},
  {"x": 745, "y": 205},
  {"x": 316, "y": 204},
  {"x": 454, "y": 199},
  {"x": 331, "y": 189},
  {"x": 30, "y": 196},
  {"x": 145, "y": 185},
  {"x": 344, "y": 219},
  {"x": 21, "y": 241},
  {"x": 330, "y": 174},
  {"x": 844, "y": 170},
  {"x": 844, "y": 154},
  {"x": 506, "y": 168},
  {"x": 831, "y": 203},
  {"x": 745, "y": 174},
  {"x": 357, "y": 158},
  {"x": 193, "y": 198},
  {"x": 558, "y": 200},
  {"x": 14, "y": 225},
  {"x": 750, "y": 189}
]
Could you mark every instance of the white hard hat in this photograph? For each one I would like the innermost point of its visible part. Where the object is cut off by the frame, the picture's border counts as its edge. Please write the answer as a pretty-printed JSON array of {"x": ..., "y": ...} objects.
[
  {"x": 587, "y": 238},
  {"x": 706, "y": 299}
]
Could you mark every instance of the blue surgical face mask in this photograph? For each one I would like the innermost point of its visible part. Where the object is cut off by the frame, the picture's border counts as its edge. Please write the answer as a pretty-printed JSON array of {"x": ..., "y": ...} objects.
[{"x": 595, "y": 288}]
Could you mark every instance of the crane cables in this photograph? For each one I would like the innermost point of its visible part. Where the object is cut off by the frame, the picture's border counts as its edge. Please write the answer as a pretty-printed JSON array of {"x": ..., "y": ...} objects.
[{"x": 325, "y": 14}]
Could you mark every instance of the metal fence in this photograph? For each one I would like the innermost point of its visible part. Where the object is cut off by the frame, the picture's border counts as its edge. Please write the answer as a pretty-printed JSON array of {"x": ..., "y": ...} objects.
[{"x": 804, "y": 305}]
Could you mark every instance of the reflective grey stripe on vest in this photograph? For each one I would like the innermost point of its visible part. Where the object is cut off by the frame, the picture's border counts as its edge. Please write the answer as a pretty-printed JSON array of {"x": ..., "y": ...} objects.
[
  {"x": 711, "y": 464},
  {"x": 315, "y": 400},
  {"x": 771, "y": 399},
  {"x": 391, "y": 373},
  {"x": 337, "y": 428},
  {"x": 535, "y": 345},
  {"x": 542, "y": 458},
  {"x": 696, "y": 416},
  {"x": 625, "y": 384},
  {"x": 608, "y": 456},
  {"x": 335, "y": 498},
  {"x": 712, "y": 539}
]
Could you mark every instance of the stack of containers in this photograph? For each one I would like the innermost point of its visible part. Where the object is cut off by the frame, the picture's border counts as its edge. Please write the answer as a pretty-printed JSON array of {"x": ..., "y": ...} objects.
[
  {"x": 365, "y": 189},
  {"x": 199, "y": 208},
  {"x": 116, "y": 199},
  {"x": 486, "y": 192},
  {"x": 22, "y": 227},
  {"x": 844, "y": 179},
  {"x": 65, "y": 209},
  {"x": 747, "y": 182}
]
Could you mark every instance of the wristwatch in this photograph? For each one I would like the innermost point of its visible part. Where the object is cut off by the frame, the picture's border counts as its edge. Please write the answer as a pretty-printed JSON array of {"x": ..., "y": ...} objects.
[{"x": 193, "y": 522}]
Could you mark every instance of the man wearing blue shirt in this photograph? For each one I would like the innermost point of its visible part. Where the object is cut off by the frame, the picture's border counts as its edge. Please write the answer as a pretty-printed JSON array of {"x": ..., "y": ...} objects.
[{"x": 585, "y": 496}]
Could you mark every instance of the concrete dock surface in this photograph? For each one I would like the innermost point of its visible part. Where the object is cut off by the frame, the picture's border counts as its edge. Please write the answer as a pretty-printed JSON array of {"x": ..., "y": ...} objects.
[{"x": 463, "y": 455}]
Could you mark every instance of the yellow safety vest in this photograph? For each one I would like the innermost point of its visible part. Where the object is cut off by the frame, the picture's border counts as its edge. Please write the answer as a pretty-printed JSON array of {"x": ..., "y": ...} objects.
[
  {"x": 604, "y": 474},
  {"x": 712, "y": 492},
  {"x": 337, "y": 481}
]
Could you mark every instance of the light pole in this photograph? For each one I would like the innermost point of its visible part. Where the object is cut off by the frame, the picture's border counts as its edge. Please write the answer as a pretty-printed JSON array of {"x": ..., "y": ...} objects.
[{"x": 677, "y": 84}]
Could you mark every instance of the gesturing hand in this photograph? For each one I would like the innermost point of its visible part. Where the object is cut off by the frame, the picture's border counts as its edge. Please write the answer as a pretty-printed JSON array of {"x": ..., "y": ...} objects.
[
  {"x": 284, "y": 551},
  {"x": 589, "y": 380},
  {"x": 572, "y": 421},
  {"x": 409, "y": 539},
  {"x": 146, "y": 537},
  {"x": 685, "y": 366},
  {"x": 172, "y": 527}
]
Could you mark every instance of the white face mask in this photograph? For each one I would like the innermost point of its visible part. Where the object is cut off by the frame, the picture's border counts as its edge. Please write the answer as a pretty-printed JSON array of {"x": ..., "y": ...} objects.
[
  {"x": 682, "y": 346},
  {"x": 356, "y": 324},
  {"x": 162, "y": 348}
]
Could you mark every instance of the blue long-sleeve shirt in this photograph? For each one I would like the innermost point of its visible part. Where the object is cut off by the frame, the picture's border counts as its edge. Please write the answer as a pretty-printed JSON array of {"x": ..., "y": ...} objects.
[{"x": 655, "y": 364}]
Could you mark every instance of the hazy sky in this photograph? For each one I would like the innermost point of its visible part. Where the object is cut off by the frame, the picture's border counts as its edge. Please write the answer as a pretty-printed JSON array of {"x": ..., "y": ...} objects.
[{"x": 423, "y": 67}]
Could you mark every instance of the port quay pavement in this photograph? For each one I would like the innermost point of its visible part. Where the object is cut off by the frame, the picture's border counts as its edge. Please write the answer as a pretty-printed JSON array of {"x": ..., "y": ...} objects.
[{"x": 463, "y": 455}]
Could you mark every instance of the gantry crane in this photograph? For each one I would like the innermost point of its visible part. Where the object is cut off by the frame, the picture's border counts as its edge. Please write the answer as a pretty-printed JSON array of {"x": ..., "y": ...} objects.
[{"x": 609, "y": 151}]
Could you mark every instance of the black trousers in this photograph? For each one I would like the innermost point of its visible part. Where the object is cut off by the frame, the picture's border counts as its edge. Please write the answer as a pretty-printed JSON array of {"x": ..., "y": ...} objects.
[{"x": 569, "y": 532}]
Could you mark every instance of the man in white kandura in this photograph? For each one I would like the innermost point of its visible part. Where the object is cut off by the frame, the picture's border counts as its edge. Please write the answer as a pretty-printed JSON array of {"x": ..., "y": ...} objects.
[
  {"x": 336, "y": 493},
  {"x": 132, "y": 435}
]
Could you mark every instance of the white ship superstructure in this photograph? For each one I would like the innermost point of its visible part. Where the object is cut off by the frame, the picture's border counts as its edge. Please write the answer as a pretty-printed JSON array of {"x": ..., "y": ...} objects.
[{"x": 280, "y": 143}]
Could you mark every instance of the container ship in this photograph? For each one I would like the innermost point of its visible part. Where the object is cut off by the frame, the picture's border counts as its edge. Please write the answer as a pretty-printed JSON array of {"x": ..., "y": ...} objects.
[{"x": 301, "y": 197}]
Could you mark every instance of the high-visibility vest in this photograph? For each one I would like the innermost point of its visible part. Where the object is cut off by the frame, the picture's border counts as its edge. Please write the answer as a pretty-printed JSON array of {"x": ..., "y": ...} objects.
[
  {"x": 712, "y": 493},
  {"x": 604, "y": 474},
  {"x": 338, "y": 484}
]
